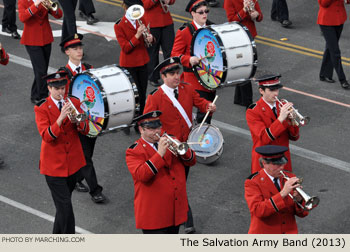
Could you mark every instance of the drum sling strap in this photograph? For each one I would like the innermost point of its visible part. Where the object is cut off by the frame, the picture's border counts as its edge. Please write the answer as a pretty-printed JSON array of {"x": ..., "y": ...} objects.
[{"x": 177, "y": 105}]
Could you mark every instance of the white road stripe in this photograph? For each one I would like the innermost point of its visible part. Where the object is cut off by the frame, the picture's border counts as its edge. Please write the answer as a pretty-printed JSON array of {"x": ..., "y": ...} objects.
[
  {"x": 37, "y": 213},
  {"x": 308, "y": 154},
  {"x": 27, "y": 63}
]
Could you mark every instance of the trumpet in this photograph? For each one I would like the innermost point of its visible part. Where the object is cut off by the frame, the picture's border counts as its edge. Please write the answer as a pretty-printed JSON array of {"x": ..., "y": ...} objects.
[
  {"x": 165, "y": 7},
  {"x": 310, "y": 202},
  {"x": 175, "y": 146},
  {"x": 251, "y": 6},
  {"x": 50, "y": 5},
  {"x": 296, "y": 117},
  {"x": 135, "y": 12},
  {"x": 74, "y": 115}
]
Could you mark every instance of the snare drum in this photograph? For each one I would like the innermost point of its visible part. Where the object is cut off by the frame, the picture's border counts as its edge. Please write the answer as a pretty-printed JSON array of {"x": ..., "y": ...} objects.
[
  {"x": 113, "y": 99},
  {"x": 208, "y": 147},
  {"x": 227, "y": 52}
]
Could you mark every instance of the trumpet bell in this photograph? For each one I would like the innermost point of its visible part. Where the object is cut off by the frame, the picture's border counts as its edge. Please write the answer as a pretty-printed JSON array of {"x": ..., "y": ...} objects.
[
  {"x": 135, "y": 12},
  {"x": 311, "y": 203},
  {"x": 305, "y": 120}
]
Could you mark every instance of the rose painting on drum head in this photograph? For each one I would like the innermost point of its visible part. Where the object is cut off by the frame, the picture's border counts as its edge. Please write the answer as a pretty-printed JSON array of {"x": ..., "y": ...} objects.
[
  {"x": 90, "y": 94},
  {"x": 210, "y": 52},
  {"x": 210, "y": 70}
]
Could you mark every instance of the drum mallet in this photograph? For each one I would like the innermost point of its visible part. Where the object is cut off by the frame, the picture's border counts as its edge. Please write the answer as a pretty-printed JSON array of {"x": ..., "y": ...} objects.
[{"x": 206, "y": 115}]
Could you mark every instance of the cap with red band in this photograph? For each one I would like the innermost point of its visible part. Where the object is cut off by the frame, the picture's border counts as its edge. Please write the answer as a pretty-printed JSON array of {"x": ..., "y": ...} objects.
[
  {"x": 273, "y": 153},
  {"x": 56, "y": 79},
  {"x": 269, "y": 81},
  {"x": 72, "y": 41},
  {"x": 194, "y": 3}
]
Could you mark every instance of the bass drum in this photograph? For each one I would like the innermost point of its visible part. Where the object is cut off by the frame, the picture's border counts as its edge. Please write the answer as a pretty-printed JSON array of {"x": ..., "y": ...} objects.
[
  {"x": 112, "y": 98},
  {"x": 210, "y": 143},
  {"x": 227, "y": 52}
]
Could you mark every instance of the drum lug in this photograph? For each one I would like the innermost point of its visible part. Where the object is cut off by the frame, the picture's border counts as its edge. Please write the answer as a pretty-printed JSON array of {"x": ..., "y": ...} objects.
[
  {"x": 109, "y": 75},
  {"x": 233, "y": 30},
  {"x": 117, "y": 113},
  {"x": 234, "y": 47}
]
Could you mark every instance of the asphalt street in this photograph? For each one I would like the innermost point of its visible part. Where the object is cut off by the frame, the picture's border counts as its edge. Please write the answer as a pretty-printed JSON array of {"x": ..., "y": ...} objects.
[{"x": 216, "y": 191}]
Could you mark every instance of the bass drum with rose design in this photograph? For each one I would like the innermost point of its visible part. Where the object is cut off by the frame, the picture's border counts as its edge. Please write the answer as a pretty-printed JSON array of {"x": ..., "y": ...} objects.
[
  {"x": 227, "y": 52},
  {"x": 112, "y": 98}
]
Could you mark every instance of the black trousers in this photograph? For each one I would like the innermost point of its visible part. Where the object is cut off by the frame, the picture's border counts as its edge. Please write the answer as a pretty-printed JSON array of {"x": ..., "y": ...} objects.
[
  {"x": 9, "y": 15},
  {"x": 210, "y": 96},
  {"x": 87, "y": 7},
  {"x": 332, "y": 56},
  {"x": 167, "y": 230},
  {"x": 165, "y": 37},
  {"x": 88, "y": 171},
  {"x": 69, "y": 27},
  {"x": 189, "y": 223},
  {"x": 61, "y": 190},
  {"x": 40, "y": 58},
  {"x": 279, "y": 10},
  {"x": 139, "y": 74},
  {"x": 244, "y": 94}
]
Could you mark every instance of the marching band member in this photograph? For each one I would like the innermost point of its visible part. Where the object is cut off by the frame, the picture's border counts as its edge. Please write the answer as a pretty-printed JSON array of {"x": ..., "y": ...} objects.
[
  {"x": 73, "y": 48},
  {"x": 9, "y": 19},
  {"x": 331, "y": 18},
  {"x": 160, "y": 197},
  {"x": 61, "y": 154},
  {"x": 157, "y": 15},
  {"x": 279, "y": 12},
  {"x": 268, "y": 123},
  {"x": 133, "y": 55},
  {"x": 272, "y": 211},
  {"x": 37, "y": 38},
  {"x": 69, "y": 26},
  {"x": 4, "y": 57},
  {"x": 245, "y": 12},
  {"x": 182, "y": 48},
  {"x": 176, "y": 100}
]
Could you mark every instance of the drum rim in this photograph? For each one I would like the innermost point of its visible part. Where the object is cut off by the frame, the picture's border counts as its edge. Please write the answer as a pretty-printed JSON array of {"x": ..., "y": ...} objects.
[
  {"x": 224, "y": 58},
  {"x": 218, "y": 130},
  {"x": 255, "y": 51},
  {"x": 98, "y": 83}
]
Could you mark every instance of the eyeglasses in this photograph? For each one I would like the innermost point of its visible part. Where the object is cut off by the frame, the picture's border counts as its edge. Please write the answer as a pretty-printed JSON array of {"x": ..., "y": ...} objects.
[{"x": 202, "y": 12}]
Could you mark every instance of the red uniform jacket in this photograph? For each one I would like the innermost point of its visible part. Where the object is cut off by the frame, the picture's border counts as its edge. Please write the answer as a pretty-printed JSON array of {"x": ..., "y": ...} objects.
[
  {"x": 4, "y": 57},
  {"x": 172, "y": 121},
  {"x": 266, "y": 129},
  {"x": 72, "y": 74},
  {"x": 133, "y": 51},
  {"x": 160, "y": 197},
  {"x": 234, "y": 12},
  {"x": 61, "y": 152},
  {"x": 37, "y": 30},
  {"x": 269, "y": 212},
  {"x": 154, "y": 14},
  {"x": 331, "y": 12},
  {"x": 182, "y": 49}
]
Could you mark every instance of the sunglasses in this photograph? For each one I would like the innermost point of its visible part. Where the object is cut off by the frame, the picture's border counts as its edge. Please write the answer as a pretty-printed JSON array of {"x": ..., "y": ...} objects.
[{"x": 202, "y": 12}]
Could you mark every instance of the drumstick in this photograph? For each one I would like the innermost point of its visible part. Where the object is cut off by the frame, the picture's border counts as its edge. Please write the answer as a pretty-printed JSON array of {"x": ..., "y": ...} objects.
[
  {"x": 189, "y": 143},
  {"x": 208, "y": 56},
  {"x": 206, "y": 115}
]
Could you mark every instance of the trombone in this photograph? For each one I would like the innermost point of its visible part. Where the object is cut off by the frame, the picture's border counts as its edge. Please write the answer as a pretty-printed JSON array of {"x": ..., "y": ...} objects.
[
  {"x": 175, "y": 146},
  {"x": 297, "y": 118},
  {"x": 310, "y": 202}
]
